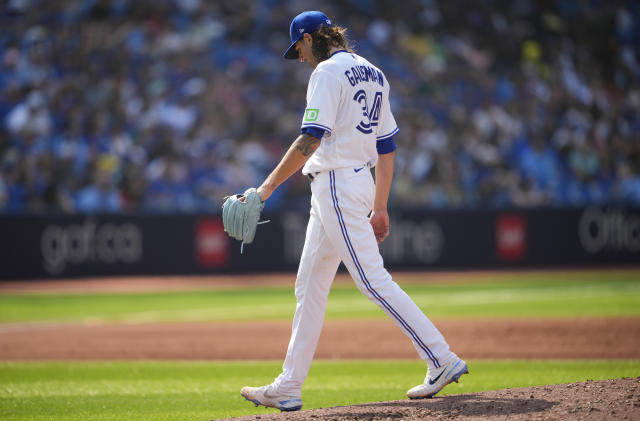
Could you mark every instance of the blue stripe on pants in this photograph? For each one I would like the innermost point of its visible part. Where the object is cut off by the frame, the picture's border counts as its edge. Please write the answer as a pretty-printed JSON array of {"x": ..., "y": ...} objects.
[{"x": 363, "y": 277}]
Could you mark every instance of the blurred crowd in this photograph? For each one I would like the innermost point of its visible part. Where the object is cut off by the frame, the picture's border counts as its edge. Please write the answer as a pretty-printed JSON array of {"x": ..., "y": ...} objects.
[{"x": 170, "y": 105}]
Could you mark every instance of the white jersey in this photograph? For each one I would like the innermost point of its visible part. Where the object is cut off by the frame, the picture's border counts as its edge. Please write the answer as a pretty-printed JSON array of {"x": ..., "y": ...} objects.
[{"x": 348, "y": 97}]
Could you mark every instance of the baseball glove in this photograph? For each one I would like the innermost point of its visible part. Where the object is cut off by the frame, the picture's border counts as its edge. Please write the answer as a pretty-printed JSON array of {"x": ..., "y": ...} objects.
[{"x": 240, "y": 217}]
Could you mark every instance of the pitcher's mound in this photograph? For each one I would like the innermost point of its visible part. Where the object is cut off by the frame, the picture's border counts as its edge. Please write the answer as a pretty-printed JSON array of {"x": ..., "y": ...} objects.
[{"x": 617, "y": 399}]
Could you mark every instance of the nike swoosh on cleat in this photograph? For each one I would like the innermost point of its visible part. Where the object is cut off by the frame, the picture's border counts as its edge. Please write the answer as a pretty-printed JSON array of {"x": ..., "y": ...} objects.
[
  {"x": 358, "y": 169},
  {"x": 432, "y": 381}
]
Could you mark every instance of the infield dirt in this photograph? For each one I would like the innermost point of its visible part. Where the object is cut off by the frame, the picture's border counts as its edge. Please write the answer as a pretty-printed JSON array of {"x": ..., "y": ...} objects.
[{"x": 616, "y": 338}]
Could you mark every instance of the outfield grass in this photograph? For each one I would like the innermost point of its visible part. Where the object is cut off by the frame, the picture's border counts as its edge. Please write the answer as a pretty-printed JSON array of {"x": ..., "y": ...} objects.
[
  {"x": 598, "y": 294},
  {"x": 208, "y": 390}
]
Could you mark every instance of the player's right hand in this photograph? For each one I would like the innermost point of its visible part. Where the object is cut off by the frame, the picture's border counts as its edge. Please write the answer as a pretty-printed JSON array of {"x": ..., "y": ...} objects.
[{"x": 380, "y": 222}]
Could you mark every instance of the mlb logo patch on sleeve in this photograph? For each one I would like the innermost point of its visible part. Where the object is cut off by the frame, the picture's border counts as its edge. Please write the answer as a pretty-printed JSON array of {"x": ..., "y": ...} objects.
[{"x": 311, "y": 114}]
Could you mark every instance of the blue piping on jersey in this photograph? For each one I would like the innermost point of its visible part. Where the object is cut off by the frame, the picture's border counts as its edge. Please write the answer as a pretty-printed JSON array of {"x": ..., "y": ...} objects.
[
  {"x": 319, "y": 126},
  {"x": 388, "y": 134},
  {"x": 336, "y": 52},
  {"x": 363, "y": 277}
]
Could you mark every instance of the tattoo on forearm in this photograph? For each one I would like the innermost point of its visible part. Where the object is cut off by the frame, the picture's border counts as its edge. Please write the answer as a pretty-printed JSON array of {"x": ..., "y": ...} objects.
[{"x": 307, "y": 144}]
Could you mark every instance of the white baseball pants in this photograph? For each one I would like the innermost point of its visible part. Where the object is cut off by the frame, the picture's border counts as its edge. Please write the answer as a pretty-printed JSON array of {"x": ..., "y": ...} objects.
[{"x": 339, "y": 230}]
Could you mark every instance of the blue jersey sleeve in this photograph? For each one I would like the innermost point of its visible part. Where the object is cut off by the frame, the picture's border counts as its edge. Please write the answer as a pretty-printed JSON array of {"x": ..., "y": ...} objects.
[
  {"x": 313, "y": 131},
  {"x": 386, "y": 145}
]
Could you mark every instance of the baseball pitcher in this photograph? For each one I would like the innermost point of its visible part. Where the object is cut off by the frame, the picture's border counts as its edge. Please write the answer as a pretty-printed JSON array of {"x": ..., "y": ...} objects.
[{"x": 347, "y": 128}]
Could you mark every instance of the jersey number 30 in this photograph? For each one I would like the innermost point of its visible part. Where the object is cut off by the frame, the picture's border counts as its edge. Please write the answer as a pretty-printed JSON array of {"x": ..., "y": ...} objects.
[{"x": 370, "y": 116}]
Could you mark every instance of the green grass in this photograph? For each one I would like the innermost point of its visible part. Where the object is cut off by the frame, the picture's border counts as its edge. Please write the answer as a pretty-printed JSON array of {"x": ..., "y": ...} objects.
[
  {"x": 598, "y": 294},
  {"x": 208, "y": 390}
]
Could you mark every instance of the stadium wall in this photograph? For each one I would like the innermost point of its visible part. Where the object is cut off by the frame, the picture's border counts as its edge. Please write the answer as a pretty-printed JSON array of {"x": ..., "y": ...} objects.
[{"x": 36, "y": 247}]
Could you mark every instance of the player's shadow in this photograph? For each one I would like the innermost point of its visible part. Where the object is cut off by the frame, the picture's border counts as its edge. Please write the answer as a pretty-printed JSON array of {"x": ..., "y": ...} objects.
[{"x": 456, "y": 405}]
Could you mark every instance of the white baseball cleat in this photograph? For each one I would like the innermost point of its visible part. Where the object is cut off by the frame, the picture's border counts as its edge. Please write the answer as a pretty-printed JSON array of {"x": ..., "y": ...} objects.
[
  {"x": 265, "y": 396},
  {"x": 437, "y": 379}
]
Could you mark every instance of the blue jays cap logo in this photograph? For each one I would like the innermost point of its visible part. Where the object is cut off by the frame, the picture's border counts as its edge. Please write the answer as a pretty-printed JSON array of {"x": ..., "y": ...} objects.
[{"x": 304, "y": 23}]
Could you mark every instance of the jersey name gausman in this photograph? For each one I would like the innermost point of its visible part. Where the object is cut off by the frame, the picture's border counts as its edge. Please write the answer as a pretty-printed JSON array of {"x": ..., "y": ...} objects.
[
  {"x": 364, "y": 74},
  {"x": 354, "y": 117}
]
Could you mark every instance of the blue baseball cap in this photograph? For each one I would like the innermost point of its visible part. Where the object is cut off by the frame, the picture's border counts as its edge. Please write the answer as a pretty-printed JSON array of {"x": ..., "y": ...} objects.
[{"x": 304, "y": 23}]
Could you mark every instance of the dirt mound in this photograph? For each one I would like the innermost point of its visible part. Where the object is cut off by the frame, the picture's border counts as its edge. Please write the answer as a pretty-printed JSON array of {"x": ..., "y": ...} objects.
[{"x": 617, "y": 399}]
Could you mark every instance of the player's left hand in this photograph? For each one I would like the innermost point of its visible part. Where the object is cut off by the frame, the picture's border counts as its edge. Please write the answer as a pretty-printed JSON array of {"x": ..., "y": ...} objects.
[
  {"x": 380, "y": 222},
  {"x": 240, "y": 215}
]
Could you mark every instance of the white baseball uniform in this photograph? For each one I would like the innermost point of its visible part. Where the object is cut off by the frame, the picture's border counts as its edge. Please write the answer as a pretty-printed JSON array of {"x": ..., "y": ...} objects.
[{"x": 348, "y": 99}]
